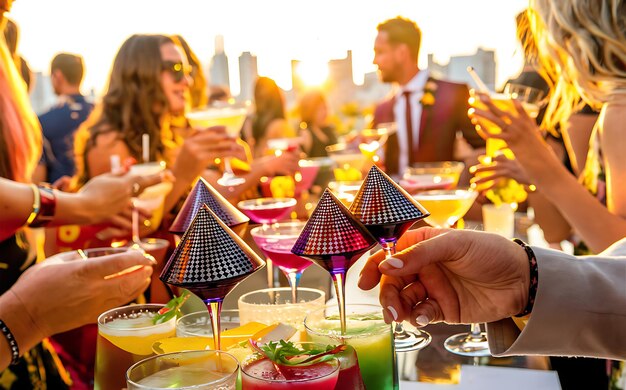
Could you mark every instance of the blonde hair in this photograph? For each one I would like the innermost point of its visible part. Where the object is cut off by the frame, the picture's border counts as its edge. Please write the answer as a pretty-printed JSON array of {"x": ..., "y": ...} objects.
[{"x": 582, "y": 45}]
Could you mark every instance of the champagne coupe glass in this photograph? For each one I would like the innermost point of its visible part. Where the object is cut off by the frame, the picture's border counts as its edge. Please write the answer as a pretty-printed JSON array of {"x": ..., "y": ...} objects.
[
  {"x": 210, "y": 261},
  {"x": 276, "y": 242},
  {"x": 268, "y": 211},
  {"x": 374, "y": 139},
  {"x": 388, "y": 211},
  {"x": 229, "y": 114},
  {"x": 447, "y": 207},
  {"x": 334, "y": 239},
  {"x": 348, "y": 162},
  {"x": 436, "y": 175}
]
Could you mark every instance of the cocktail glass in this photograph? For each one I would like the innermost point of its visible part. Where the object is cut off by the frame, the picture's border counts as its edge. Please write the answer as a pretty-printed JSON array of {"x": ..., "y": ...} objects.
[
  {"x": 388, "y": 211},
  {"x": 447, "y": 207},
  {"x": 334, "y": 239},
  {"x": 345, "y": 190},
  {"x": 272, "y": 305},
  {"x": 204, "y": 193},
  {"x": 197, "y": 370},
  {"x": 151, "y": 199},
  {"x": 276, "y": 241},
  {"x": 230, "y": 114},
  {"x": 267, "y": 211},
  {"x": 367, "y": 332},
  {"x": 259, "y": 373},
  {"x": 437, "y": 175},
  {"x": 125, "y": 336},
  {"x": 348, "y": 162},
  {"x": 210, "y": 261},
  {"x": 374, "y": 139}
]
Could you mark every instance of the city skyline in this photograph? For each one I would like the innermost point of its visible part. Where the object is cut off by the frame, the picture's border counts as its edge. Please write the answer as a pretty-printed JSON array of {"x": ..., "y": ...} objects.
[{"x": 274, "y": 31}]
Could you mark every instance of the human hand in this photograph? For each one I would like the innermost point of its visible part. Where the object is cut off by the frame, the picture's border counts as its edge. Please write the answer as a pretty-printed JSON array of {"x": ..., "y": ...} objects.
[
  {"x": 60, "y": 295},
  {"x": 486, "y": 174},
  {"x": 455, "y": 276},
  {"x": 109, "y": 194},
  {"x": 283, "y": 165},
  {"x": 202, "y": 147}
]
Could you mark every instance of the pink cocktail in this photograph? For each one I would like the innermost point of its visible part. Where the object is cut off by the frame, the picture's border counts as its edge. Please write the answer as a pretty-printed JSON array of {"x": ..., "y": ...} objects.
[
  {"x": 276, "y": 242},
  {"x": 267, "y": 210},
  {"x": 263, "y": 375}
]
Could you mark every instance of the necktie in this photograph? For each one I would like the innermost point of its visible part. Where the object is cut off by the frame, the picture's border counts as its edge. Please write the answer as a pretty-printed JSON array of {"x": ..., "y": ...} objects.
[{"x": 409, "y": 124}]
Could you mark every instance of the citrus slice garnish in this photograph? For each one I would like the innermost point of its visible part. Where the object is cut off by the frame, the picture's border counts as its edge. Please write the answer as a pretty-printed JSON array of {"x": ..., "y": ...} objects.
[{"x": 275, "y": 332}]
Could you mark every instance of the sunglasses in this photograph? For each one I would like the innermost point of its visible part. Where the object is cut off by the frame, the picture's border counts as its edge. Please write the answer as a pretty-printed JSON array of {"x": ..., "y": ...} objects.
[{"x": 177, "y": 70}]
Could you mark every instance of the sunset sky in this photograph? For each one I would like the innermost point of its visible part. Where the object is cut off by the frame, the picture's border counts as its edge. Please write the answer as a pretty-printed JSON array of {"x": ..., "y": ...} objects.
[{"x": 275, "y": 31}]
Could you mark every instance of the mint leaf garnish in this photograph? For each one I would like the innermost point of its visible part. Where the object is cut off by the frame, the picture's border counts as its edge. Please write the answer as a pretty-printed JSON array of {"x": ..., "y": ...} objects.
[
  {"x": 286, "y": 353},
  {"x": 171, "y": 309}
]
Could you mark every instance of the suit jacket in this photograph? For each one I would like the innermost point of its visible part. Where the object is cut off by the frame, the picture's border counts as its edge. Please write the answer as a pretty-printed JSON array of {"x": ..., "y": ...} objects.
[
  {"x": 580, "y": 308},
  {"x": 438, "y": 126}
]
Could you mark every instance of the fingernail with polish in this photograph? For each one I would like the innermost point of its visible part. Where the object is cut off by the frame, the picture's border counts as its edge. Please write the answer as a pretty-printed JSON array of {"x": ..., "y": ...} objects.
[
  {"x": 395, "y": 263},
  {"x": 393, "y": 312},
  {"x": 422, "y": 320}
]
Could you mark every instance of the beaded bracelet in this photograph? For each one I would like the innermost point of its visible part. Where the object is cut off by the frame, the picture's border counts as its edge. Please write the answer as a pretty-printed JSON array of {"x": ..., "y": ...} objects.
[
  {"x": 534, "y": 277},
  {"x": 15, "y": 350}
]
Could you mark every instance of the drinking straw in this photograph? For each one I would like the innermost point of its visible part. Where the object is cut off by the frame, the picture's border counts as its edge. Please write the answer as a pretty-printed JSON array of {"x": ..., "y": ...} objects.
[
  {"x": 116, "y": 163},
  {"x": 482, "y": 87},
  {"x": 145, "y": 147}
]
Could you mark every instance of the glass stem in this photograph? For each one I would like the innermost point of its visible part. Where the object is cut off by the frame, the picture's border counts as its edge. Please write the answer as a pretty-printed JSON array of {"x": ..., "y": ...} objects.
[
  {"x": 294, "y": 280},
  {"x": 215, "y": 308},
  {"x": 389, "y": 246},
  {"x": 475, "y": 331},
  {"x": 228, "y": 170},
  {"x": 339, "y": 280},
  {"x": 270, "y": 273},
  {"x": 135, "y": 223}
]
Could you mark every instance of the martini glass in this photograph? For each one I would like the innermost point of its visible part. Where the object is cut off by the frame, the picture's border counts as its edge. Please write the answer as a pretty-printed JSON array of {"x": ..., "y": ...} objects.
[
  {"x": 436, "y": 175},
  {"x": 388, "y": 211},
  {"x": 334, "y": 239},
  {"x": 201, "y": 194},
  {"x": 210, "y": 261},
  {"x": 447, "y": 207},
  {"x": 276, "y": 242},
  {"x": 374, "y": 139},
  {"x": 230, "y": 115},
  {"x": 348, "y": 162},
  {"x": 268, "y": 211}
]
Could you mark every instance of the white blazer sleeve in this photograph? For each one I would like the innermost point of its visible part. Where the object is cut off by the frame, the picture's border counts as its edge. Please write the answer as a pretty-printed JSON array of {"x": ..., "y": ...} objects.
[{"x": 580, "y": 308}]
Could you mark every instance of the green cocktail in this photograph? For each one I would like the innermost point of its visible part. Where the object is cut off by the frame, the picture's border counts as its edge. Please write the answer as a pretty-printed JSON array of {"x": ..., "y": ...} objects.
[{"x": 367, "y": 332}]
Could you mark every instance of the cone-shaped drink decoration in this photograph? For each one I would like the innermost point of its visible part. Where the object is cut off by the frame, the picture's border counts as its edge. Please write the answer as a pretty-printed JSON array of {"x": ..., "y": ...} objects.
[
  {"x": 210, "y": 261},
  {"x": 388, "y": 211},
  {"x": 204, "y": 193},
  {"x": 334, "y": 240},
  {"x": 384, "y": 207}
]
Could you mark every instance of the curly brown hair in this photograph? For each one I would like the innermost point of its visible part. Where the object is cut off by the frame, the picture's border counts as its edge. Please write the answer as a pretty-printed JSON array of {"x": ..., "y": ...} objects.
[{"x": 134, "y": 103}]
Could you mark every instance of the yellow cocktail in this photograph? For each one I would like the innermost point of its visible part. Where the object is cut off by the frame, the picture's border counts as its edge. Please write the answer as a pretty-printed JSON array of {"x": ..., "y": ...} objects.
[
  {"x": 125, "y": 336},
  {"x": 446, "y": 206}
]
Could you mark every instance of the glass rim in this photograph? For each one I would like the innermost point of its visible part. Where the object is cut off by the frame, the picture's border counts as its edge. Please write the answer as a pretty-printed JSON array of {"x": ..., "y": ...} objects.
[
  {"x": 137, "y": 306},
  {"x": 280, "y": 289},
  {"x": 336, "y": 369},
  {"x": 253, "y": 204},
  {"x": 375, "y": 308},
  {"x": 205, "y": 312},
  {"x": 171, "y": 354},
  {"x": 290, "y": 223},
  {"x": 465, "y": 190},
  {"x": 75, "y": 255}
]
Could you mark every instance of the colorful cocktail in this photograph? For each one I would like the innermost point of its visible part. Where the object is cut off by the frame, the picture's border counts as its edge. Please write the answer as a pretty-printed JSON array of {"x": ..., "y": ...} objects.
[
  {"x": 446, "y": 206},
  {"x": 439, "y": 175},
  {"x": 210, "y": 261},
  {"x": 367, "y": 333},
  {"x": 125, "y": 336},
  {"x": 348, "y": 162},
  {"x": 388, "y": 211},
  {"x": 197, "y": 370},
  {"x": 334, "y": 239}
]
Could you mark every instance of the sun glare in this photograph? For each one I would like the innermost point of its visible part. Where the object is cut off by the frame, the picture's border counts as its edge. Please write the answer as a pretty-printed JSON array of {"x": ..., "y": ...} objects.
[{"x": 312, "y": 73}]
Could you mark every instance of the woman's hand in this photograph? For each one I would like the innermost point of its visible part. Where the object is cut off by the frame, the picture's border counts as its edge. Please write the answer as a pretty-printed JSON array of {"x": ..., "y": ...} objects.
[
  {"x": 284, "y": 165},
  {"x": 456, "y": 276},
  {"x": 486, "y": 175}
]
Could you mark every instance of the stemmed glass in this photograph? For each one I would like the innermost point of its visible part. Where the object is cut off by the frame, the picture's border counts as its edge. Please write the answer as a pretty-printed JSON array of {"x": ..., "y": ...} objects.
[
  {"x": 210, "y": 261},
  {"x": 435, "y": 175},
  {"x": 447, "y": 207},
  {"x": 267, "y": 211},
  {"x": 276, "y": 242},
  {"x": 230, "y": 115},
  {"x": 334, "y": 239},
  {"x": 374, "y": 139},
  {"x": 388, "y": 211}
]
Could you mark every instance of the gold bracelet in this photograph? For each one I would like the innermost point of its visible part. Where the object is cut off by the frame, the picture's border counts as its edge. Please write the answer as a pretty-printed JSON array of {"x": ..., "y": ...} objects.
[{"x": 36, "y": 204}]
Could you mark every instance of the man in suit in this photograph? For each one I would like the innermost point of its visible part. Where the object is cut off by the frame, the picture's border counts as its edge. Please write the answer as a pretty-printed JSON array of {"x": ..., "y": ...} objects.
[
  {"x": 428, "y": 112},
  {"x": 577, "y": 304}
]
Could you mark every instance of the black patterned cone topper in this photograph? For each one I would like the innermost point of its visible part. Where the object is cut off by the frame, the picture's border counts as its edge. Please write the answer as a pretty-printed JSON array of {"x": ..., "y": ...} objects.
[
  {"x": 204, "y": 193},
  {"x": 381, "y": 201},
  {"x": 209, "y": 253},
  {"x": 332, "y": 230}
]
